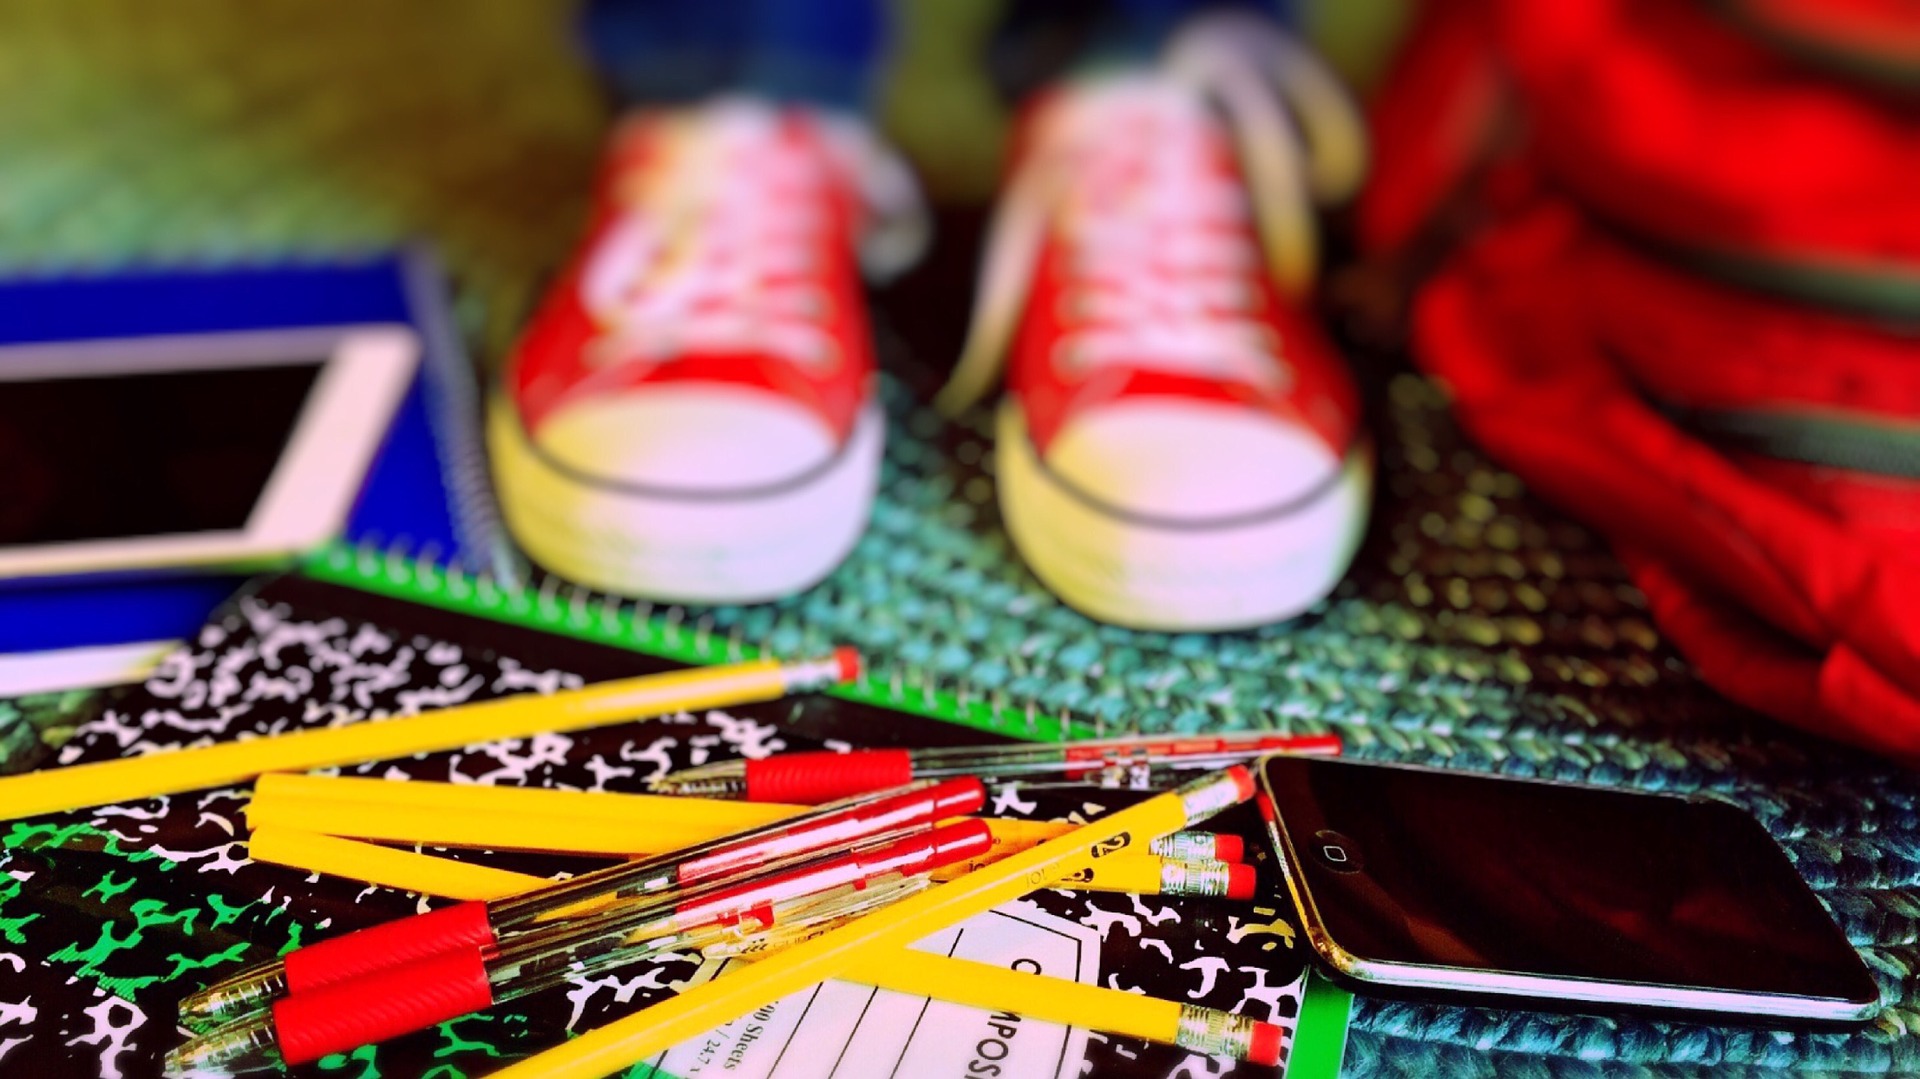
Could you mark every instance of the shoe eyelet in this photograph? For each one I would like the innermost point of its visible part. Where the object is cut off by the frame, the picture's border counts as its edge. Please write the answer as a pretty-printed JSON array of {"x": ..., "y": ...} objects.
[
  {"x": 821, "y": 355},
  {"x": 814, "y": 304},
  {"x": 1243, "y": 298},
  {"x": 1068, "y": 357}
]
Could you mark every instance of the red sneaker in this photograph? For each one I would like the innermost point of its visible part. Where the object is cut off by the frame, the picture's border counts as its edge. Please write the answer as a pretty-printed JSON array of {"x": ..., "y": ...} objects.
[
  {"x": 1179, "y": 449},
  {"x": 690, "y": 416}
]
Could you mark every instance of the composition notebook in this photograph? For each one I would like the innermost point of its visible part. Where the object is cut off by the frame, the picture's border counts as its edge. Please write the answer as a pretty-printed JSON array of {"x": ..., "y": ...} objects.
[{"x": 108, "y": 917}]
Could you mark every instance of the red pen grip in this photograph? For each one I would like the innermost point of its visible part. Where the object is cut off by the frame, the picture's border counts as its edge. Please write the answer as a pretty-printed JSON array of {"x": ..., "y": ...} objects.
[
  {"x": 374, "y": 1007},
  {"x": 813, "y": 778},
  {"x": 389, "y": 944}
]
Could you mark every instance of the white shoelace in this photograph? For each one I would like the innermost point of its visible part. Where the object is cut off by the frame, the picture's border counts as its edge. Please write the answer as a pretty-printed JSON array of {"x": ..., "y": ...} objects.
[
  {"x": 1184, "y": 308},
  {"x": 722, "y": 257},
  {"x": 1163, "y": 269}
]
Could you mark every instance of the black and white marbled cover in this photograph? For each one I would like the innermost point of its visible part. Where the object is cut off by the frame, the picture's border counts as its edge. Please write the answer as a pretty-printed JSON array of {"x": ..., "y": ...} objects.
[{"x": 108, "y": 917}]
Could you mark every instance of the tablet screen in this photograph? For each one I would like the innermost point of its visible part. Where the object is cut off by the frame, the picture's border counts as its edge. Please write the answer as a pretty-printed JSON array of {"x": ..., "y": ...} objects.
[{"x": 147, "y": 453}]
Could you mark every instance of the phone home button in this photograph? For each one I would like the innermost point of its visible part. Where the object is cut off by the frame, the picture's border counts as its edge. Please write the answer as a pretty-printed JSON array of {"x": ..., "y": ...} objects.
[{"x": 1336, "y": 851}]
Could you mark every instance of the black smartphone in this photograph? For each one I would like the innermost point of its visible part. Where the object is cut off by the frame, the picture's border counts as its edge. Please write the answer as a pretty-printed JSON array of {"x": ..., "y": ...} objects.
[{"x": 1427, "y": 883}]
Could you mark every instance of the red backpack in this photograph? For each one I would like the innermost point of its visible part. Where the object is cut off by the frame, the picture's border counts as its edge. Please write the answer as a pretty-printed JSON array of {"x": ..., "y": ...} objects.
[
  {"x": 1790, "y": 579},
  {"x": 1754, "y": 458}
]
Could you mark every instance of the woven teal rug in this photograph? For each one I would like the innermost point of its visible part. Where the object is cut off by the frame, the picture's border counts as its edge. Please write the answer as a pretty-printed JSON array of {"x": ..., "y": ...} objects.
[{"x": 1479, "y": 629}]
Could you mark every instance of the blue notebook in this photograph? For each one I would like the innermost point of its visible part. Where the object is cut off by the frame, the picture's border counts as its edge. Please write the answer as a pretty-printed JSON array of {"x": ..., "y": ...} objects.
[{"x": 415, "y": 486}]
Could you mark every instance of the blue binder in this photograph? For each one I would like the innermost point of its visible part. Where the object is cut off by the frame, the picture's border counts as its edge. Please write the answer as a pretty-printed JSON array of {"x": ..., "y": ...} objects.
[{"x": 413, "y": 488}]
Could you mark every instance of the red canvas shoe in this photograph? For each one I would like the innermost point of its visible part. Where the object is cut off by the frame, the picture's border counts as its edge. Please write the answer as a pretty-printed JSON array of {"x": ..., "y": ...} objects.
[
  {"x": 691, "y": 416},
  {"x": 1178, "y": 448}
]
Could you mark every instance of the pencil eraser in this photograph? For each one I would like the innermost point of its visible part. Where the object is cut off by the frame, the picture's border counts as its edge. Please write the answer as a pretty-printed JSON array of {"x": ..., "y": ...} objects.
[
  {"x": 1229, "y": 848},
  {"x": 1240, "y": 880},
  {"x": 848, "y": 659},
  {"x": 1242, "y": 781},
  {"x": 1263, "y": 1045}
]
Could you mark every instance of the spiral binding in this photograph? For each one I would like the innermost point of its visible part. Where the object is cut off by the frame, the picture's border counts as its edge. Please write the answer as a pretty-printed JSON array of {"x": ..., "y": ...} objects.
[
  {"x": 510, "y": 589},
  {"x": 453, "y": 400}
]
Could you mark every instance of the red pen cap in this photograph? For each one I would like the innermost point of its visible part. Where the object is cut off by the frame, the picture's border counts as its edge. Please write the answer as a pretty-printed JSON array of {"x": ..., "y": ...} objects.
[
  {"x": 958, "y": 842},
  {"x": 921, "y": 853},
  {"x": 913, "y": 855},
  {"x": 958, "y": 797},
  {"x": 916, "y": 807}
]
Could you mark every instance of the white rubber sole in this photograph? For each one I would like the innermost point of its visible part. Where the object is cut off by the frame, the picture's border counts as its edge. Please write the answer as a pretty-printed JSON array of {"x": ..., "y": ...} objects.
[
  {"x": 752, "y": 547},
  {"x": 1153, "y": 575}
]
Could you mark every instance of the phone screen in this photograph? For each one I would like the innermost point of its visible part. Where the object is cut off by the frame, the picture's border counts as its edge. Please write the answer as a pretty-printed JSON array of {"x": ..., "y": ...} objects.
[
  {"x": 1414, "y": 866},
  {"x": 143, "y": 453}
]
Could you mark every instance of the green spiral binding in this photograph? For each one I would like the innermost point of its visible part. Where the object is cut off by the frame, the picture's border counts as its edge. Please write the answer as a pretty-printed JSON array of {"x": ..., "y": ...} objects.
[{"x": 572, "y": 611}]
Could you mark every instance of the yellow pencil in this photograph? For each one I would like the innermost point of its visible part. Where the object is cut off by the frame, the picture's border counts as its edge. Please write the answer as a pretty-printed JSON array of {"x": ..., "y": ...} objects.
[
  {"x": 569, "y": 822},
  {"x": 302, "y": 846},
  {"x": 488, "y": 831},
  {"x": 719, "y": 817},
  {"x": 1048, "y": 999},
  {"x": 617, "y": 826},
  {"x": 375, "y": 864},
  {"x": 1148, "y": 874},
  {"x": 1070, "y": 1003},
  {"x": 58, "y": 789},
  {"x": 622, "y": 1043}
]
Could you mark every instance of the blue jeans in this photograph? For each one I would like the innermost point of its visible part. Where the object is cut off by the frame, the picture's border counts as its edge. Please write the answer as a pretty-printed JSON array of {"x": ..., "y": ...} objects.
[{"x": 827, "y": 51}]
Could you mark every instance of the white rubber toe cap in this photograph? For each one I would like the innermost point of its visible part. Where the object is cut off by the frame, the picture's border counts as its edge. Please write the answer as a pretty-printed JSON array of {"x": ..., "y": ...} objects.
[
  {"x": 1224, "y": 527},
  {"x": 699, "y": 509},
  {"x": 696, "y": 438},
  {"x": 1186, "y": 462}
]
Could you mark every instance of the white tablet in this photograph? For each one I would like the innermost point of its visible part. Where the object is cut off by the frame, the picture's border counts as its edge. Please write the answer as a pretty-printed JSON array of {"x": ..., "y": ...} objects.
[{"x": 229, "y": 450}]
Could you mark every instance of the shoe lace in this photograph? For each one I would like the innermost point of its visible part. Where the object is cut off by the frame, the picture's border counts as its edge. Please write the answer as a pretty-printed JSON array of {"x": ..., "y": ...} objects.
[
  {"x": 724, "y": 254},
  {"x": 1164, "y": 275},
  {"x": 1171, "y": 276}
]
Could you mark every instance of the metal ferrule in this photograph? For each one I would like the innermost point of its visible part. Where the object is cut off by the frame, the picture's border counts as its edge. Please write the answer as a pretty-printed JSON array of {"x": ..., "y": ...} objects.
[
  {"x": 1214, "y": 1032},
  {"x": 1194, "y": 878},
  {"x": 803, "y": 675},
  {"x": 243, "y": 994},
  {"x": 717, "y": 787},
  {"x": 1187, "y": 847},
  {"x": 1208, "y": 795}
]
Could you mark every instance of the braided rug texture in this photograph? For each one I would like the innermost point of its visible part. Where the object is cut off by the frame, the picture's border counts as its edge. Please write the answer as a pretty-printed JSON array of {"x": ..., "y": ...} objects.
[{"x": 1478, "y": 630}]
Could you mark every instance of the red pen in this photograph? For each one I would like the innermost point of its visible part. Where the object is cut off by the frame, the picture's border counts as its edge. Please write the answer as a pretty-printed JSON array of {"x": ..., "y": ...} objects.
[
  {"x": 657, "y": 880},
  {"x": 1140, "y": 763},
  {"x": 757, "y": 900},
  {"x": 390, "y": 1002}
]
